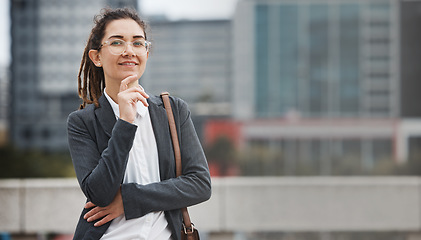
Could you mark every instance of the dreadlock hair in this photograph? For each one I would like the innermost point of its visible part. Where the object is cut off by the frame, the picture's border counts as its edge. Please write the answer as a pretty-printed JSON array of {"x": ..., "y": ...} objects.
[{"x": 91, "y": 80}]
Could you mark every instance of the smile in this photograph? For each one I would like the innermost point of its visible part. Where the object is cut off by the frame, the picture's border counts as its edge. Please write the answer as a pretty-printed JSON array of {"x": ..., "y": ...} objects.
[{"x": 128, "y": 64}]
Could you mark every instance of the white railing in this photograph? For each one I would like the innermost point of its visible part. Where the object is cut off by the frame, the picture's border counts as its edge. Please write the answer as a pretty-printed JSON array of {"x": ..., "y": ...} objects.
[{"x": 239, "y": 204}]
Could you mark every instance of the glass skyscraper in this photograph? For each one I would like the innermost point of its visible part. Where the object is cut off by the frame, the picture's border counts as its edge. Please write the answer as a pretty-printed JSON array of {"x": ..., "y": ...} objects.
[
  {"x": 323, "y": 58},
  {"x": 319, "y": 82}
]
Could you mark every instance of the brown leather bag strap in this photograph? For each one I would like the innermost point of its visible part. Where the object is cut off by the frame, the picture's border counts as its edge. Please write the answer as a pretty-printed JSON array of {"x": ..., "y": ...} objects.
[
  {"x": 173, "y": 130},
  {"x": 177, "y": 152}
]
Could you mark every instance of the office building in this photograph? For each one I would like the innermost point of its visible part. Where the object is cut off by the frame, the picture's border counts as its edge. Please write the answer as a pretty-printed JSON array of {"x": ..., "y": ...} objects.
[
  {"x": 323, "y": 81},
  {"x": 4, "y": 104},
  {"x": 319, "y": 58},
  {"x": 48, "y": 38},
  {"x": 192, "y": 60}
]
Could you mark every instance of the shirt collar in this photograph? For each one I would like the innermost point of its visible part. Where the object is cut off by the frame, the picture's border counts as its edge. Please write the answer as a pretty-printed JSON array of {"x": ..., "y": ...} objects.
[{"x": 140, "y": 108}]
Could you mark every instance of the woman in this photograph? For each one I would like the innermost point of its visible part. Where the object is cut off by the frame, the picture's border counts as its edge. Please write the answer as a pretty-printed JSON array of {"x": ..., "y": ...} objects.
[{"x": 120, "y": 141}]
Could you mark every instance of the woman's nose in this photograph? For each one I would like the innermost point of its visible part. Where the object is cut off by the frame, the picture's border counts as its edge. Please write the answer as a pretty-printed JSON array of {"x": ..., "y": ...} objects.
[{"x": 129, "y": 51}]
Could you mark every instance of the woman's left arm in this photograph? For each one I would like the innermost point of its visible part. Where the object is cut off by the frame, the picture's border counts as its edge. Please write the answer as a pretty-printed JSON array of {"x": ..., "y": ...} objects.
[{"x": 193, "y": 187}]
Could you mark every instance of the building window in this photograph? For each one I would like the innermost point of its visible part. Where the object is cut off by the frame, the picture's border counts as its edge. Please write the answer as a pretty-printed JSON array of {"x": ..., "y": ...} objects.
[{"x": 27, "y": 133}]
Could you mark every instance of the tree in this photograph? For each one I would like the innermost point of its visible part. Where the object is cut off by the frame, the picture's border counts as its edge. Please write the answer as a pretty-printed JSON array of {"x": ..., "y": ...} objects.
[{"x": 34, "y": 164}]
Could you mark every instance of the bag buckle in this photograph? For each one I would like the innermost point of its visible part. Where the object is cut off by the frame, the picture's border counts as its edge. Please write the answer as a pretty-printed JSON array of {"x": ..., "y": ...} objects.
[{"x": 190, "y": 230}]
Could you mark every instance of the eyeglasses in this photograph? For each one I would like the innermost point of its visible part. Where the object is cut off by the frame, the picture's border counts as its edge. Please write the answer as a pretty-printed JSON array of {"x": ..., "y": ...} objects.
[{"x": 118, "y": 46}]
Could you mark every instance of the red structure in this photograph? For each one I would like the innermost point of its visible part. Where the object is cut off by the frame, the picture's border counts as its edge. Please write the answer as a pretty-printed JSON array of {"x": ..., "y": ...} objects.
[{"x": 215, "y": 129}]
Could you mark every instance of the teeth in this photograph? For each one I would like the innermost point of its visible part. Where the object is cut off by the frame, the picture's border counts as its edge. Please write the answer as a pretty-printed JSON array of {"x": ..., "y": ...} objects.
[{"x": 132, "y": 64}]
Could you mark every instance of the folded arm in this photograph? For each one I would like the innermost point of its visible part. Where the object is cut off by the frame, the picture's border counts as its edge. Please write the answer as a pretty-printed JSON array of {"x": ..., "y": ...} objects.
[{"x": 99, "y": 174}]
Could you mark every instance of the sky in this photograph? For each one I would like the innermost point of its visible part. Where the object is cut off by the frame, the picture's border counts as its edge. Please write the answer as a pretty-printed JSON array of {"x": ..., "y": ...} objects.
[
  {"x": 190, "y": 9},
  {"x": 174, "y": 10},
  {"x": 4, "y": 33}
]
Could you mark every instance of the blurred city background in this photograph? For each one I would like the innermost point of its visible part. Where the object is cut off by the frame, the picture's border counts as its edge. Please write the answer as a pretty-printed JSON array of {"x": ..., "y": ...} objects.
[{"x": 278, "y": 89}]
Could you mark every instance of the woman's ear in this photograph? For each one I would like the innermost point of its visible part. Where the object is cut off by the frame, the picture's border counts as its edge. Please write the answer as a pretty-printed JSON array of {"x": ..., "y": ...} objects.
[{"x": 95, "y": 58}]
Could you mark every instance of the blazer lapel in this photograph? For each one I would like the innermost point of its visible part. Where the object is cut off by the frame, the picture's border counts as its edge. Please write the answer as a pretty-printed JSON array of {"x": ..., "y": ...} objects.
[
  {"x": 161, "y": 130},
  {"x": 160, "y": 127},
  {"x": 106, "y": 115}
]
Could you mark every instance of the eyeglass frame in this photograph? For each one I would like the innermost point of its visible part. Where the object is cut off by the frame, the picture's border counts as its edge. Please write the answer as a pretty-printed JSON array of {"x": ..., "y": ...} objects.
[{"x": 108, "y": 42}]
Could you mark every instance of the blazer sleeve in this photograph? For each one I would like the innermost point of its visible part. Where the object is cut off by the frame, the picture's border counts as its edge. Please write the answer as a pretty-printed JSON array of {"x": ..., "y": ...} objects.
[
  {"x": 193, "y": 187},
  {"x": 99, "y": 173}
]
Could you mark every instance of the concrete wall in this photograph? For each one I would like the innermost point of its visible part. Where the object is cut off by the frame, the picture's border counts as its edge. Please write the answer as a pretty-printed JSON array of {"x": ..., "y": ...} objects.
[{"x": 239, "y": 204}]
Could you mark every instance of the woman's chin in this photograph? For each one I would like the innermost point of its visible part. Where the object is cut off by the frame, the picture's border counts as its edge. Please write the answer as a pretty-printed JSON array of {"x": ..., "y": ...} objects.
[{"x": 132, "y": 73}]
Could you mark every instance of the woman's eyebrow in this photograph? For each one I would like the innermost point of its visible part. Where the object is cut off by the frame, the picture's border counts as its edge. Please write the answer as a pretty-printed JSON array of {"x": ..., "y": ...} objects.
[
  {"x": 116, "y": 36},
  {"x": 121, "y": 37}
]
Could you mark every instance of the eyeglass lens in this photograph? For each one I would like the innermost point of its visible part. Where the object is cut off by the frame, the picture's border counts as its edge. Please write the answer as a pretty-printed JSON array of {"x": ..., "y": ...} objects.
[{"x": 117, "y": 47}]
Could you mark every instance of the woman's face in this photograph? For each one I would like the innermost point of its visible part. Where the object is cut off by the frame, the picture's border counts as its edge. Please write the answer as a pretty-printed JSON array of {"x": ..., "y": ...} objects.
[{"x": 118, "y": 67}]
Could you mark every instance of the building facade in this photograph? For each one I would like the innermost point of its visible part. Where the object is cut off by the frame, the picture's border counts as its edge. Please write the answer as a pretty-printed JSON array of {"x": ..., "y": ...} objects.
[
  {"x": 192, "y": 60},
  {"x": 48, "y": 38},
  {"x": 4, "y": 104},
  {"x": 319, "y": 58},
  {"x": 325, "y": 78}
]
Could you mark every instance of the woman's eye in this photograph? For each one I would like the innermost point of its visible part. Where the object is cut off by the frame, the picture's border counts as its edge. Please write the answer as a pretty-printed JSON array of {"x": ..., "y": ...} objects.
[
  {"x": 138, "y": 43},
  {"x": 116, "y": 43}
]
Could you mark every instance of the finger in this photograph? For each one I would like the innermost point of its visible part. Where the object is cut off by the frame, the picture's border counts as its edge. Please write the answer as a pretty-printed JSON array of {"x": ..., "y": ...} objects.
[
  {"x": 143, "y": 99},
  {"x": 145, "y": 102},
  {"x": 92, "y": 212},
  {"x": 143, "y": 96},
  {"x": 138, "y": 89},
  {"x": 142, "y": 91},
  {"x": 135, "y": 96},
  {"x": 97, "y": 216},
  {"x": 104, "y": 220},
  {"x": 89, "y": 205},
  {"x": 127, "y": 81}
]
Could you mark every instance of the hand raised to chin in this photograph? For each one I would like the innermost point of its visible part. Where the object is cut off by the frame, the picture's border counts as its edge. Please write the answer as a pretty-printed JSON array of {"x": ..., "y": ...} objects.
[{"x": 130, "y": 93}]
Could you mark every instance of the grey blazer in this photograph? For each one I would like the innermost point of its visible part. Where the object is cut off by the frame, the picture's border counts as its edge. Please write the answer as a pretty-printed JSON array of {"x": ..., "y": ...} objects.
[{"x": 99, "y": 146}]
